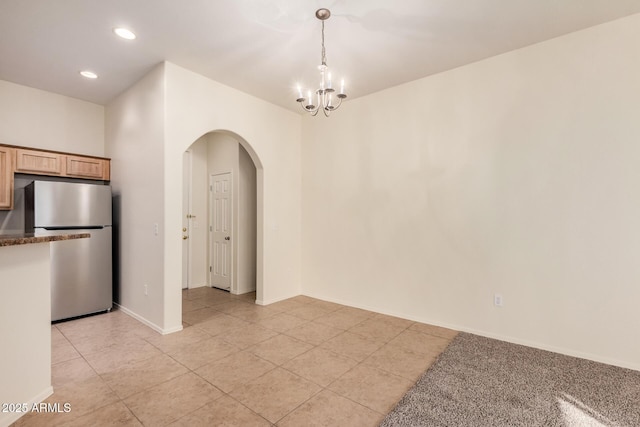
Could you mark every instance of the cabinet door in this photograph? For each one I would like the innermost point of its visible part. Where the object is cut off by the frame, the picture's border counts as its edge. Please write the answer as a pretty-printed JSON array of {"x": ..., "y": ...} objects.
[
  {"x": 85, "y": 167},
  {"x": 7, "y": 156},
  {"x": 39, "y": 162},
  {"x": 106, "y": 170}
]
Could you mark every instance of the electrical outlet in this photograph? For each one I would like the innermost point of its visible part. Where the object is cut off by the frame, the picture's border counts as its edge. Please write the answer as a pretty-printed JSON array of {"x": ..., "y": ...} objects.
[
  {"x": 146, "y": 289},
  {"x": 156, "y": 229},
  {"x": 497, "y": 300}
]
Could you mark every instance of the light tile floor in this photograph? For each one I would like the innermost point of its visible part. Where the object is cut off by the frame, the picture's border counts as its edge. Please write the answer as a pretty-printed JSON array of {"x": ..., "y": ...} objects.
[{"x": 298, "y": 362}]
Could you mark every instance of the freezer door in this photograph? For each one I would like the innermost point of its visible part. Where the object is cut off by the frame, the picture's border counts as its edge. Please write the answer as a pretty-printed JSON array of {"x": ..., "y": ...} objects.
[
  {"x": 64, "y": 204},
  {"x": 81, "y": 278}
]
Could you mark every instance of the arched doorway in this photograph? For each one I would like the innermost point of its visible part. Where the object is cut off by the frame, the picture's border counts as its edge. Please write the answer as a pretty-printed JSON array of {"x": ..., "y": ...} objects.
[{"x": 215, "y": 154}]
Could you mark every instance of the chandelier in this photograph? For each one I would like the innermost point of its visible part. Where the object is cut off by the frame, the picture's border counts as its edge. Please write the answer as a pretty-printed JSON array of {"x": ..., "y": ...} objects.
[{"x": 325, "y": 98}]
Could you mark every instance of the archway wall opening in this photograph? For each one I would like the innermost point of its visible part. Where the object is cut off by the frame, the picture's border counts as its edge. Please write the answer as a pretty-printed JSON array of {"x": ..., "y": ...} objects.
[
  {"x": 195, "y": 106},
  {"x": 218, "y": 154}
]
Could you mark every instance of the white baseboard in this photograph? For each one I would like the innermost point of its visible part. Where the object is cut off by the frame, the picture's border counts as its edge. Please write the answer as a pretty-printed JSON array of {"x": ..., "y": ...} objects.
[
  {"x": 554, "y": 349},
  {"x": 196, "y": 285},
  {"x": 148, "y": 323},
  {"x": 8, "y": 418},
  {"x": 243, "y": 291},
  {"x": 271, "y": 301},
  {"x": 171, "y": 330},
  {"x": 513, "y": 340}
]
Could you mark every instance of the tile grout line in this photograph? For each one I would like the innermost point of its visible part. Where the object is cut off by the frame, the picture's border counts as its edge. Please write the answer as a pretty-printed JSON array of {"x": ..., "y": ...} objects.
[
  {"x": 256, "y": 320},
  {"x": 119, "y": 399},
  {"x": 213, "y": 385},
  {"x": 315, "y": 346}
]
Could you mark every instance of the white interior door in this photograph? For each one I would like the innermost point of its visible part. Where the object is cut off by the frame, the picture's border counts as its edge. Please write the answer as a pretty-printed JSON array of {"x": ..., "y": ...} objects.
[
  {"x": 186, "y": 206},
  {"x": 220, "y": 238}
]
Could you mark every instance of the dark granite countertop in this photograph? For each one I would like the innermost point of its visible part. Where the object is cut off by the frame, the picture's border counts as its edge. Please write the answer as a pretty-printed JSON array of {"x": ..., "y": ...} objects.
[{"x": 28, "y": 238}]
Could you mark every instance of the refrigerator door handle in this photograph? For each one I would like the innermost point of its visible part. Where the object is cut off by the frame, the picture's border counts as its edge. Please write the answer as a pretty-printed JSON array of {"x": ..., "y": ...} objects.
[{"x": 92, "y": 227}]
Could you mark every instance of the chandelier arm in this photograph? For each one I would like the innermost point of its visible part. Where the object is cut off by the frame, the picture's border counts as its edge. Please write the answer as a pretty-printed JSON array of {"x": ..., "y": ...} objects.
[
  {"x": 310, "y": 110},
  {"x": 335, "y": 107},
  {"x": 334, "y": 104},
  {"x": 313, "y": 111}
]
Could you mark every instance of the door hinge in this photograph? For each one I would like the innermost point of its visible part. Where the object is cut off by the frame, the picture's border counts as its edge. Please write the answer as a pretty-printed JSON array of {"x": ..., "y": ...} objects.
[{"x": 209, "y": 269}]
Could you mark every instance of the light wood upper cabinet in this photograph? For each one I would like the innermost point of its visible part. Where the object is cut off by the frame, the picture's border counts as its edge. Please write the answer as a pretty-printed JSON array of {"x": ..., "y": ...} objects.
[
  {"x": 7, "y": 158},
  {"x": 39, "y": 162},
  {"x": 85, "y": 167}
]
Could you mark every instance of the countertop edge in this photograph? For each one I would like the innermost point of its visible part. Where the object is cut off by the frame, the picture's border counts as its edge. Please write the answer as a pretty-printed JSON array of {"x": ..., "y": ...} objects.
[{"x": 27, "y": 239}]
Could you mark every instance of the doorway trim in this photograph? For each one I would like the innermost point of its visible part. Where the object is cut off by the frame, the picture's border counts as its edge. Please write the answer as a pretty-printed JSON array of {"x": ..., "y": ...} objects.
[{"x": 186, "y": 219}]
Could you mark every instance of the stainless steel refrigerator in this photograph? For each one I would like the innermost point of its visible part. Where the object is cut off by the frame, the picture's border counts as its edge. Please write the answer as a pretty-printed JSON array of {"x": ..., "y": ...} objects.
[{"x": 81, "y": 274}]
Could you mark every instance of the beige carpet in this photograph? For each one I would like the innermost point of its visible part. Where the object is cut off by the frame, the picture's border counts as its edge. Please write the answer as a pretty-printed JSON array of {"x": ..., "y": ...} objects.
[{"x": 479, "y": 381}]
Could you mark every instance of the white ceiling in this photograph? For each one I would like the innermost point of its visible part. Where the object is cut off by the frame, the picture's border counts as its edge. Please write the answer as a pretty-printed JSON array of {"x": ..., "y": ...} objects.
[{"x": 264, "y": 47}]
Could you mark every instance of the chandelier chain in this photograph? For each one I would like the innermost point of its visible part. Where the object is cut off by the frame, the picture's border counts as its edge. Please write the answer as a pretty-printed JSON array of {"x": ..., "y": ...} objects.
[{"x": 324, "y": 54}]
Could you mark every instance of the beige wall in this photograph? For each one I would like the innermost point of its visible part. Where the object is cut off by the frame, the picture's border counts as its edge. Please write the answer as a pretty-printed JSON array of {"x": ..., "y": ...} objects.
[
  {"x": 148, "y": 129},
  {"x": 223, "y": 154},
  {"x": 35, "y": 118},
  {"x": 271, "y": 135},
  {"x": 134, "y": 141},
  {"x": 516, "y": 175}
]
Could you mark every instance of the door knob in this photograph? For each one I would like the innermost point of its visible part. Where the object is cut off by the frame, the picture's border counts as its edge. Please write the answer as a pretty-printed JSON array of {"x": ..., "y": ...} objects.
[
  {"x": 227, "y": 238},
  {"x": 185, "y": 237},
  {"x": 184, "y": 229}
]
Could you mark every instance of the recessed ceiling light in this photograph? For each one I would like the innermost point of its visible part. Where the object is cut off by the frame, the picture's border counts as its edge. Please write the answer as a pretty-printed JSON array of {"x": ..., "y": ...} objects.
[
  {"x": 124, "y": 33},
  {"x": 88, "y": 74}
]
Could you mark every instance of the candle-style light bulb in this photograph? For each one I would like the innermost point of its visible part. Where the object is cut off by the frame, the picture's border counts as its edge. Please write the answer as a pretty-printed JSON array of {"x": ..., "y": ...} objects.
[
  {"x": 342, "y": 86},
  {"x": 329, "y": 81},
  {"x": 309, "y": 102},
  {"x": 299, "y": 92}
]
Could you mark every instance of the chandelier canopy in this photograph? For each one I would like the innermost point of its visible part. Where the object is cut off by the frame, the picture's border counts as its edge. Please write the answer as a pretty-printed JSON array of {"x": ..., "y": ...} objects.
[{"x": 325, "y": 97}]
